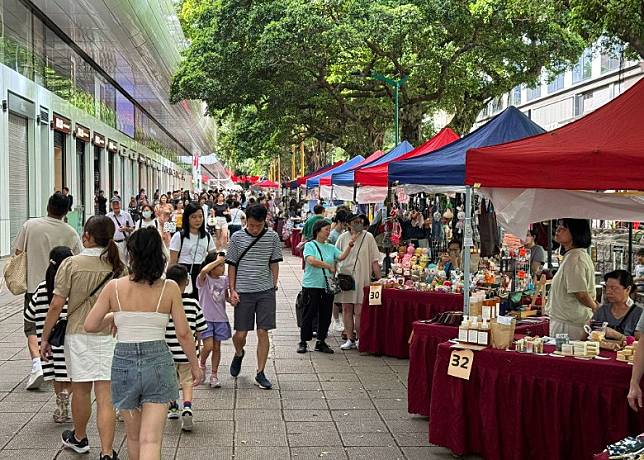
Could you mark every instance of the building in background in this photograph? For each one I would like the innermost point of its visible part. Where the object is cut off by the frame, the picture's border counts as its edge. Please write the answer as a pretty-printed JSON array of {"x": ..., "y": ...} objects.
[
  {"x": 598, "y": 77},
  {"x": 84, "y": 86}
]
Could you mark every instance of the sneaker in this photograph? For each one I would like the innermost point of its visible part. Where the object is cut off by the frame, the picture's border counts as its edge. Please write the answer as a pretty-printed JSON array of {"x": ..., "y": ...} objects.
[
  {"x": 173, "y": 411},
  {"x": 69, "y": 440},
  {"x": 338, "y": 326},
  {"x": 322, "y": 347},
  {"x": 348, "y": 345},
  {"x": 61, "y": 413},
  {"x": 114, "y": 456},
  {"x": 235, "y": 365},
  {"x": 186, "y": 419},
  {"x": 262, "y": 382},
  {"x": 214, "y": 381},
  {"x": 302, "y": 347},
  {"x": 36, "y": 379}
]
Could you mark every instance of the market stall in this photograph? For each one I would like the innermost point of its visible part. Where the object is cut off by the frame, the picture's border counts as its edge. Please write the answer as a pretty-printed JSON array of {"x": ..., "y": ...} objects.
[
  {"x": 517, "y": 406},
  {"x": 385, "y": 329},
  {"x": 314, "y": 181},
  {"x": 423, "y": 345},
  {"x": 372, "y": 181},
  {"x": 296, "y": 239},
  {"x": 326, "y": 184},
  {"x": 343, "y": 183}
]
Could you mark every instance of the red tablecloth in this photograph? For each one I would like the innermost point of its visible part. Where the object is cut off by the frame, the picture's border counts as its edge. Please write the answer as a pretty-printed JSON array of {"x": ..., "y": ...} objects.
[
  {"x": 422, "y": 355},
  {"x": 518, "y": 406},
  {"x": 296, "y": 238},
  {"x": 385, "y": 329}
]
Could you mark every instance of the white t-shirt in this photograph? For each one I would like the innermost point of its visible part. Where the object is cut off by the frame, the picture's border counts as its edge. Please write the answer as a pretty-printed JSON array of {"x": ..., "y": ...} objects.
[
  {"x": 237, "y": 216},
  {"x": 194, "y": 249},
  {"x": 143, "y": 224}
]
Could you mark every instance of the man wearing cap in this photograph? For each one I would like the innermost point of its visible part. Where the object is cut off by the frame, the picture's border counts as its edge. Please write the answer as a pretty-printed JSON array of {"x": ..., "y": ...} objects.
[{"x": 124, "y": 226}]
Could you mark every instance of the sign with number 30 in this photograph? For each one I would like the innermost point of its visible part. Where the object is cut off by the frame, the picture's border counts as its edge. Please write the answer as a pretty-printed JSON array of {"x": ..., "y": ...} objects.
[
  {"x": 375, "y": 294},
  {"x": 460, "y": 364}
]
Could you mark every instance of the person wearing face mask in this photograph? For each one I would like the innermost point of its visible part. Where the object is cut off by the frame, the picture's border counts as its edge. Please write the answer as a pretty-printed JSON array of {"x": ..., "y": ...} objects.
[
  {"x": 148, "y": 218},
  {"x": 360, "y": 264}
]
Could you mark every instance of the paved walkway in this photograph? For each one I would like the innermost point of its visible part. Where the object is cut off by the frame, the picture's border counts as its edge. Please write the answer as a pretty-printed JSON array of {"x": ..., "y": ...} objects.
[{"x": 341, "y": 406}]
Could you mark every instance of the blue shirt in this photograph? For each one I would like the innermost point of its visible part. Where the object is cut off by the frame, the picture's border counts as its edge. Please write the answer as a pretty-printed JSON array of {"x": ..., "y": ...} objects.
[{"x": 314, "y": 277}]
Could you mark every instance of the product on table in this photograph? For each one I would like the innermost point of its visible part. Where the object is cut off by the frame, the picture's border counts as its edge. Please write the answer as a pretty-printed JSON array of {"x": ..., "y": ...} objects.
[
  {"x": 627, "y": 355},
  {"x": 580, "y": 349},
  {"x": 529, "y": 345}
]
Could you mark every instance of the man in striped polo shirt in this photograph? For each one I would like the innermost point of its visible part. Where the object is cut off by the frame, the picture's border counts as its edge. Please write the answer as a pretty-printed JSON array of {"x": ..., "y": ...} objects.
[{"x": 253, "y": 269}]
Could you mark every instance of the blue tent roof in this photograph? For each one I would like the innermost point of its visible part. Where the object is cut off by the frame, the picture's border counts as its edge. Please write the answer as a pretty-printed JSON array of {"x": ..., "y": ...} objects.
[
  {"x": 346, "y": 178},
  {"x": 446, "y": 166},
  {"x": 315, "y": 181}
]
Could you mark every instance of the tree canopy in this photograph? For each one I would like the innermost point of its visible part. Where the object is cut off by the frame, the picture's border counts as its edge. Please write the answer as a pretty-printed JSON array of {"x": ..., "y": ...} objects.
[{"x": 280, "y": 72}]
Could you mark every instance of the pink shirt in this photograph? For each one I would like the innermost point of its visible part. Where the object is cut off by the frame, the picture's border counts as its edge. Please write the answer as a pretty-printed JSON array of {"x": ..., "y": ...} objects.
[{"x": 212, "y": 298}]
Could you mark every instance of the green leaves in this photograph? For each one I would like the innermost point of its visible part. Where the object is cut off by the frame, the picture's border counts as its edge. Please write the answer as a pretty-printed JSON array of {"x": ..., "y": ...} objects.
[{"x": 280, "y": 72}]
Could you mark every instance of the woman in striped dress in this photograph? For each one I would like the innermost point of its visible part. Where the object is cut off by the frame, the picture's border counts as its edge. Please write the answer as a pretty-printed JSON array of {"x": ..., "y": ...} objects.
[{"x": 37, "y": 312}]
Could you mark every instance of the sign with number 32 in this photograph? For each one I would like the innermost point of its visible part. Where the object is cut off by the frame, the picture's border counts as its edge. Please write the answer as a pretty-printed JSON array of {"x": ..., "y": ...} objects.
[
  {"x": 375, "y": 294},
  {"x": 460, "y": 364}
]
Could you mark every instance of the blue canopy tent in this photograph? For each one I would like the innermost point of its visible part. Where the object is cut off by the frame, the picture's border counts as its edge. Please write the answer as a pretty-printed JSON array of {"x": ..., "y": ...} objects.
[
  {"x": 446, "y": 166},
  {"x": 315, "y": 181},
  {"x": 343, "y": 183}
]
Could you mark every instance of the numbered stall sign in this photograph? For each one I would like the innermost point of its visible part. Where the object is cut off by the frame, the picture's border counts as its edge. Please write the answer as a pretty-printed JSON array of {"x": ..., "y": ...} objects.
[
  {"x": 460, "y": 364},
  {"x": 375, "y": 294}
]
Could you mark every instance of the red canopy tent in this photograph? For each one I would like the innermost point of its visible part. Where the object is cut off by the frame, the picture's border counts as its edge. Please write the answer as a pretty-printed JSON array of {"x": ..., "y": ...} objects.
[
  {"x": 372, "y": 181},
  {"x": 374, "y": 156},
  {"x": 302, "y": 180},
  {"x": 553, "y": 174},
  {"x": 267, "y": 184},
  {"x": 377, "y": 175}
]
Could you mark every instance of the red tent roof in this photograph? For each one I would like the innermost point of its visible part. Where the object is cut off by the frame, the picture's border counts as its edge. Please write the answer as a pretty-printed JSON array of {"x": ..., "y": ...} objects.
[
  {"x": 377, "y": 175},
  {"x": 602, "y": 151},
  {"x": 302, "y": 180},
  {"x": 267, "y": 184},
  {"x": 373, "y": 157}
]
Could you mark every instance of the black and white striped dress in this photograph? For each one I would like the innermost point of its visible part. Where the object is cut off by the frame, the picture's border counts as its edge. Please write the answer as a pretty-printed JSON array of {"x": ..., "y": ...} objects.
[{"x": 36, "y": 312}]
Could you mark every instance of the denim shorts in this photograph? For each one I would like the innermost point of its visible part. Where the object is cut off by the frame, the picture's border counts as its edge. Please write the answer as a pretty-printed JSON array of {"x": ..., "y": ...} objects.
[
  {"x": 142, "y": 373},
  {"x": 219, "y": 331}
]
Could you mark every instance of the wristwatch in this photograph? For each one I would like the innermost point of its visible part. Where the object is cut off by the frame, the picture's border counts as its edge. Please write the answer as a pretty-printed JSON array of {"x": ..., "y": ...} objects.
[{"x": 276, "y": 288}]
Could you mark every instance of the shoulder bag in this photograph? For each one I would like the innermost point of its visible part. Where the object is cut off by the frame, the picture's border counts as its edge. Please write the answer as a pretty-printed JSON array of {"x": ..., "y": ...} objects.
[
  {"x": 57, "y": 334},
  {"x": 332, "y": 284},
  {"x": 620, "y": 327},
  {"x": 257, "y": 238},
  {"x": 347, "y": 282},
  {"x": 15, "y": 273}
]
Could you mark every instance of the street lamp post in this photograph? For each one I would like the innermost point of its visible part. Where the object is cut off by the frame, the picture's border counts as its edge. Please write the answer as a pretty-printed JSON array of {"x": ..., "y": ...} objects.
[{"x": 396, "y": 85}]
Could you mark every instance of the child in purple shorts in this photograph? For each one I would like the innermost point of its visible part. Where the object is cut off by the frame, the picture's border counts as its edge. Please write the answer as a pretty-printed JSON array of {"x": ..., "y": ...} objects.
[{"x": 213, "y": 293}]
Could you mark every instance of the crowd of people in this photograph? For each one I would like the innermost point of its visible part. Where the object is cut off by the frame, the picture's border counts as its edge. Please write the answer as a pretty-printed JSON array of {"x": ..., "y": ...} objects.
[
  {"x": 142, "y": 307},
  {"x": 141, "y": 299}
]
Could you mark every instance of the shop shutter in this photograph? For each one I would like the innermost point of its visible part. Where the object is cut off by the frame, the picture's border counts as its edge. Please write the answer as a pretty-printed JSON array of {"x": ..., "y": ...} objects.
[{"x": 18, "y": 174}]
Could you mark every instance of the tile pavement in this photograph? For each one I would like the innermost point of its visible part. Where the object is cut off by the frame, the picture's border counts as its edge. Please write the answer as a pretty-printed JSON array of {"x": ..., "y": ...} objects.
[{"x": 341, "y": 406}]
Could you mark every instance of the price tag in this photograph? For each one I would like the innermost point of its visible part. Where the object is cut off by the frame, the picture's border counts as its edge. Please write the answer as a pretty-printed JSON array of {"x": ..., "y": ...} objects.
[
  {"x": 460, "y": 364},
  {"x": 375, "y": 294}
]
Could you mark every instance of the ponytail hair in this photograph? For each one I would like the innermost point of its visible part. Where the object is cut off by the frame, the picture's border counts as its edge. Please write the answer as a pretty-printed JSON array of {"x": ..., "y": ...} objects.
[
  {"x": 101, "y": 229},
  {"x": 56, "y": 257}
]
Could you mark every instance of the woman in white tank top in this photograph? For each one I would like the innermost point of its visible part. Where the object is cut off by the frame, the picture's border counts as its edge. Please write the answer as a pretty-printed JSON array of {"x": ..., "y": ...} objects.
[{"x": 143, "y": 373}]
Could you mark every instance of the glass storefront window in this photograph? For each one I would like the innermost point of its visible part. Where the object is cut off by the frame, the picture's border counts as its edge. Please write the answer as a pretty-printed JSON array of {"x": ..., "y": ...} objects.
[
  {"x": 124, "y": 115},
  {"x": 16, "y": 45}
]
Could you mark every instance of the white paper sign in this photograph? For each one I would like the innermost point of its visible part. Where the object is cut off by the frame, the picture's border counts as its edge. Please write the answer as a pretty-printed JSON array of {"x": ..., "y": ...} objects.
[
  {"x": 375, "y": 294},
  {"x": 460, "y": 364}
]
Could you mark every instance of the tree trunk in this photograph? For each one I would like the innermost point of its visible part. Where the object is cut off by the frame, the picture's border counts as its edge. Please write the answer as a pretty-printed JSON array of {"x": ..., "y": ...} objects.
[
  {"x": 466, "y": 116},
  {"x": 411, "y": 121}
]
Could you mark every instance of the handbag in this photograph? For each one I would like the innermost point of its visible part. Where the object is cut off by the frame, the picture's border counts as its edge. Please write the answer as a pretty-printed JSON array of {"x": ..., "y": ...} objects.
[
  {"x": 57, "y": 334},
  {"x": 332, "y": 285},
  {"x": 346, "y": 282},
  {"x": 15, "y": 273}
]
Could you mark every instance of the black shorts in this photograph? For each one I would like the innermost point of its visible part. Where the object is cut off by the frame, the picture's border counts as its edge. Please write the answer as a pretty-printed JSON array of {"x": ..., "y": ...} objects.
[{"x": 255, "y": 307}]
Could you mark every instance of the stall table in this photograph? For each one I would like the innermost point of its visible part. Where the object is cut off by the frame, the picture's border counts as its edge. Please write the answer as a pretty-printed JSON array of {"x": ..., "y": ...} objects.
[
  {"x": 422, "y": 355},
  {"x": 517, "y": 406},
  {"x": 296, "y": 238},
  {"x": 385, "y": 329}
]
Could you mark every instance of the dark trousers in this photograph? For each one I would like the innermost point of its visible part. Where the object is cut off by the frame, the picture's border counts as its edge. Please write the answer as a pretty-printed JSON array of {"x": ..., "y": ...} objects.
[{"x": 317, "y": 305}]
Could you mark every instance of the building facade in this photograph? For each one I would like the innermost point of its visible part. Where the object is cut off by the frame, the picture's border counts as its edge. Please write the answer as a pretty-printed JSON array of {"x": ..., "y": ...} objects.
[
  {"x": 598, "y": 77},
  {"x": 84, "y": 91}
]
